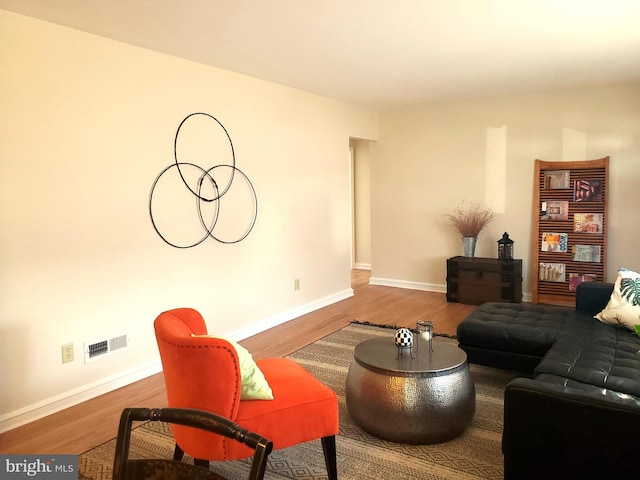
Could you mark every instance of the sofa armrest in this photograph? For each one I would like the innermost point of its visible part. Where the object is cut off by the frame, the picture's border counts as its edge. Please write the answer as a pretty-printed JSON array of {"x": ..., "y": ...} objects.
[
  {"x": 592, "y": 297},
  {"x": 552, "y": 431}
]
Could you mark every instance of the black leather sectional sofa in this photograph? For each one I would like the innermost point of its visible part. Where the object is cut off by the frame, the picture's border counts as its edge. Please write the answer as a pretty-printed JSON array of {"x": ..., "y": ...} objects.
[{"x": 575, "y": 413}]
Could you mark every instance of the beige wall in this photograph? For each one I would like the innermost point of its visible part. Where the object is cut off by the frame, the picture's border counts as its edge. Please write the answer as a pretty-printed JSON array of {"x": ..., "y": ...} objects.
[
  {"x": 431, "y": 158},
  {"x": 87, "y": 125}
]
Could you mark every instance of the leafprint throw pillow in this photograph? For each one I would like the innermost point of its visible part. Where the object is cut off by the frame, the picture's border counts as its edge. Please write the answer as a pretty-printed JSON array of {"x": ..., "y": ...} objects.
[{"x": 624, "y": 305}]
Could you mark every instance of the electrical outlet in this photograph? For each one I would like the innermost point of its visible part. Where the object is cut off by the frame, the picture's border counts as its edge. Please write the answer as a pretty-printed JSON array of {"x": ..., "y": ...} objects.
[
  {"x": 67, "y": 353},
  {"x": 296, "y": 284}
]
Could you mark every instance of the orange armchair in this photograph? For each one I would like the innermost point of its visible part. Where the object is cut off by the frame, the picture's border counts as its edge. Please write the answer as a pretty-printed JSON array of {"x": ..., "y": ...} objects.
[{"x": 202, "y": 372}]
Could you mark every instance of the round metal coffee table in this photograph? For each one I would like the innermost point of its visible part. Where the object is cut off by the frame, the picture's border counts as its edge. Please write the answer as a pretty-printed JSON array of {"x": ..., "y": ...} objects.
[{"x": 422, "y": 400}]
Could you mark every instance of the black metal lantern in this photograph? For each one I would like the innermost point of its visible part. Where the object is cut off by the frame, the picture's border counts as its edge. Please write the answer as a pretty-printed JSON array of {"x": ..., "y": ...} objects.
[{"x": 505, "y": 247}]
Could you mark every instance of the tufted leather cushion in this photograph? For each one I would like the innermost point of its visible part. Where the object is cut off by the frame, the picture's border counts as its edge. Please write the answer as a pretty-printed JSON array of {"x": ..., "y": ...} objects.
[
  {"x": 571, "y": 344},
  {"x": 588, "y": 391},
  {"x": 523, "y": 328},
  {"x": 602, "y": 355}
]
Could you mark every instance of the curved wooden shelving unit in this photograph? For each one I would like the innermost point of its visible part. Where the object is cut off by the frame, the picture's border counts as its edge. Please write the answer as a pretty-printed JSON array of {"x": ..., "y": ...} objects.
[{"x": 595, "y": 172}]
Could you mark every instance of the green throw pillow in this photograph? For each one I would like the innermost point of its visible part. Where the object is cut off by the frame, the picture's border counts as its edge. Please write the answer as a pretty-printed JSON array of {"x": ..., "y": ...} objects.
[
  {"x": 254, "y": 385},
  {"x": 624, "y": 305}
]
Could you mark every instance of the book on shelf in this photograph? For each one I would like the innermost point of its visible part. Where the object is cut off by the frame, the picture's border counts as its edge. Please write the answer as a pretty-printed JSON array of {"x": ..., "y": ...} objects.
[
  {"x": 556, "y": 179},
  {"x": 551, "y": 272},
  {"x": 576, "y": 279},
  {"x": 554, "y": 242},
  {"x": 587, "y": 222},
  {"x": 587, "y": 191},
  {"x": 554, "y": 210},
  {"x": 586, "y": 253}
]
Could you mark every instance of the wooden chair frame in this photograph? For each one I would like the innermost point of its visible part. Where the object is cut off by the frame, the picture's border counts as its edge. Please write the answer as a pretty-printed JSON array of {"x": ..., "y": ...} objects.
[{"x": 123, "y": 466}]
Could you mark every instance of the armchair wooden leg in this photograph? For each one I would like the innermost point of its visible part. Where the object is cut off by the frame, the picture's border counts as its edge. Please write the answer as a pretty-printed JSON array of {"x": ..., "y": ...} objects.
[
  {"x": 330, "y": 460},
  {"x": 178, "y": 453}
]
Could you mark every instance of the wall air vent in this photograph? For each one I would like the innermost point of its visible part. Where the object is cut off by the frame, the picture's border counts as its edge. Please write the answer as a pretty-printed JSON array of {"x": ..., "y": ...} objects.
[
  {"x": 101, "y": 348},
  {"x": 117, "y": 343}
]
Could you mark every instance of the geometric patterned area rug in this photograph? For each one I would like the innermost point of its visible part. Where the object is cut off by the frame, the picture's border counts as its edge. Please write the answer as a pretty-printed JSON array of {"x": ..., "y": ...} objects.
[{"x": 476, "y": 454}]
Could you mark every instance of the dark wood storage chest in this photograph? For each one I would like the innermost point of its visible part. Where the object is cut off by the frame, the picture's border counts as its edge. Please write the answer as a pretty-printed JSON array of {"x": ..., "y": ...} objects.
[{"x": 474, "y": 281}]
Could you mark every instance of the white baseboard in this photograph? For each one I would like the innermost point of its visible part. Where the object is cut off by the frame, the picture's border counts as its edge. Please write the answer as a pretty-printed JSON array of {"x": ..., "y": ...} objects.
[
  {"x": 284, "y": 317},
  {"x": 49, "y": 406},
  {"x": 362, "y": 266},
  {"x": 427, "y": 287}
]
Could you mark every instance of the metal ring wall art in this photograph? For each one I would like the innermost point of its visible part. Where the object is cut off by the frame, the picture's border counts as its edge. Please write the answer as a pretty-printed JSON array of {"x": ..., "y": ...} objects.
[{"x": 209, "y": 187}]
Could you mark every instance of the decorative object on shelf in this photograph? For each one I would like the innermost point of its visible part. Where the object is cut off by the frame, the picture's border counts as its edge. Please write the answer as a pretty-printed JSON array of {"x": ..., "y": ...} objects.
[
  {"x": 404, "y": 340},
  {"x": 425, "y": 333},
  {"x": 505, "y": 247},
  {"x": 554, "y": 242},
  {"x": 552, "y": 272},
  {"x": 587, "y": 222},
  {"x": 554, "y": 210},
  {"x": 587, "y": 191},
  {"x": 469, "y": 246},
  {"x": 469, "y": 221},
  {"x": 557, "y": 179}
]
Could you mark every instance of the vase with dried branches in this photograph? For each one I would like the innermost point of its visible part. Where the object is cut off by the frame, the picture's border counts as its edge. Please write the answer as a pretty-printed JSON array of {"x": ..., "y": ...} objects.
[{"x": 469, "y": 220}]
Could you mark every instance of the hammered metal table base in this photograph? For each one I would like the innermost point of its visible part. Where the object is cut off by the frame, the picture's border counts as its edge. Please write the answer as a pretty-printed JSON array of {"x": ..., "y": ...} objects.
[{"x": 420, "y": 400}]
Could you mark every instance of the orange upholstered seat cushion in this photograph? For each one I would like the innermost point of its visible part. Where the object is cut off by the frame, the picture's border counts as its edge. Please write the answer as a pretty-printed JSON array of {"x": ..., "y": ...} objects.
[{"x": 303, "y": 408}]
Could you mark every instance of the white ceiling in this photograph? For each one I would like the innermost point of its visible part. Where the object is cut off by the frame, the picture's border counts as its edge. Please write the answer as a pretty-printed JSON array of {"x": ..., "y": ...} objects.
[{"x": 379, "y": 53}]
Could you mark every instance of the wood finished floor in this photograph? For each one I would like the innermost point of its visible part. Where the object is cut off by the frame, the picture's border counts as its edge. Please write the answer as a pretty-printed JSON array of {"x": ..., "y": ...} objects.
[{"x": 84, "y": 426}]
